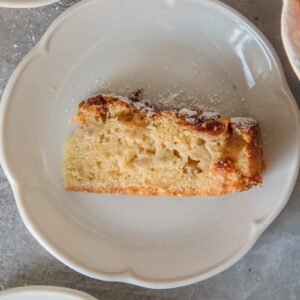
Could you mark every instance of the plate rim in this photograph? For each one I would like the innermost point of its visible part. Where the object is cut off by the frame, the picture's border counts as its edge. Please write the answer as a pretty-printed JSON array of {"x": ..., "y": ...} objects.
[
  {"x": 127, "y": 275},
  {"x": 287, "y": 44},
  {"x": 47, "y": 288},
  {"x": 25, "y": 3}
]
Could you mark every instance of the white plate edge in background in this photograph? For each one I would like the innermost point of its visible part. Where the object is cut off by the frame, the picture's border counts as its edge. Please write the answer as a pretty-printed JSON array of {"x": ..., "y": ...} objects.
[
  {"x": 25, "y": 3},
  {"x": 62, "y": 291},
  {"x": 288, "y": 44}
]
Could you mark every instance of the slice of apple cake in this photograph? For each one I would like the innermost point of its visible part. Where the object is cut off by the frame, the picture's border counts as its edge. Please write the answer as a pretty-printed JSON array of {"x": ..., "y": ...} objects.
[{"x": 125, "y": 146}]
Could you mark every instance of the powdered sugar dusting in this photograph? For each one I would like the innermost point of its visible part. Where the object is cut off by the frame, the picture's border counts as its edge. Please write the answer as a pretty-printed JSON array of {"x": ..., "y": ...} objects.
[
  {"x": 219, "y": 95},
  {"x": 243, "y": 123},
  {"x": 192, "y": 115},
  {"x": 150, "y": 110},
  {"x": 210, "y": 115},
  {"x": 142, "y": 106},
  {"x": 187, "y": 112}
]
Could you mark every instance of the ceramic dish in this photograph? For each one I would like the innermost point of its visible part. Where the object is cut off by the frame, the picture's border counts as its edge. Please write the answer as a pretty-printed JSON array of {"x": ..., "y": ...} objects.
[
  {"x": 43, "y": 292},
  {"x": 25, "y": 3},
  {"x": 290, "y": 31},
  {"x": 198, "y": 47}
]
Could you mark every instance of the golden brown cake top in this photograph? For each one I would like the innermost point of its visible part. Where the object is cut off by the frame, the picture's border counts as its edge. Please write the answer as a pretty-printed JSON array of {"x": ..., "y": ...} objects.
[{"x": 210, "y": 123}]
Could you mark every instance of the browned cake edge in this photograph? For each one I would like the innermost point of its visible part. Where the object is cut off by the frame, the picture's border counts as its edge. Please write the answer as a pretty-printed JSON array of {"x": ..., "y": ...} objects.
[{"x": 165, "y": 192}]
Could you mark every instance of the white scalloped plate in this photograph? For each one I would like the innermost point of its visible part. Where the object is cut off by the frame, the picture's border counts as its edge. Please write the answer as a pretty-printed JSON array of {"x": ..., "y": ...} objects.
[
  {"x": 25, "y": 3},
  {"x": 40, "y": 292},
  {"x": 290, "y": 32},
  {"x": 198, "y": 46}
]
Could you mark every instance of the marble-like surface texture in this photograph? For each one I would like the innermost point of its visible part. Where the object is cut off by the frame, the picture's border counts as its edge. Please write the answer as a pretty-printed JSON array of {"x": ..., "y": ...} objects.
[{"x": 271, "y": 270}]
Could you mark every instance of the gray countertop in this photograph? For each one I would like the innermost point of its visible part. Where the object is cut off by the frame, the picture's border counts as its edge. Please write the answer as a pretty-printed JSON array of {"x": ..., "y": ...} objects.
[{"x": 271, "y": 270}]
